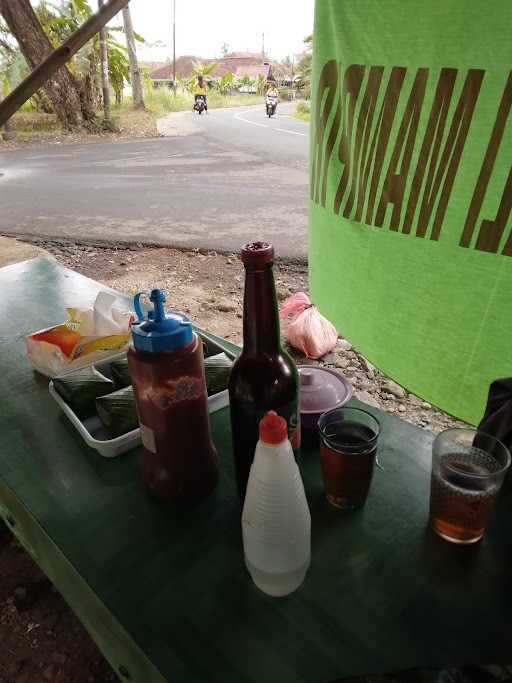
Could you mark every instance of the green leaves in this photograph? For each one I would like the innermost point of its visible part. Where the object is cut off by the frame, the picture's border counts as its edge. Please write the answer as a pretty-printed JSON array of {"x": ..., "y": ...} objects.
[
  {"x": 226, "y": 83},
  {"x": 59, "y": 21},
  {"x": 118, "y": 66},
  {"x": 201, "y": 69},
  {"x": 305, "y": 63},
  {"x": 261, "y": 84}
]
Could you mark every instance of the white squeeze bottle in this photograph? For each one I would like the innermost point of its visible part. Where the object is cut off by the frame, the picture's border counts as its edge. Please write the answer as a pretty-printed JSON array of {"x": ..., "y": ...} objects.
[{"x": 276, "y": 523}]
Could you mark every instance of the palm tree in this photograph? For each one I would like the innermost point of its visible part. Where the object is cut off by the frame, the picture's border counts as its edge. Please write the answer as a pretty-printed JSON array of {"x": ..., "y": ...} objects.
[
  {"x": 135, "y": 77},
  {"x": 304, "y": 65},
  {"x": 204, "y": 70},
  {"x": 246, "y": 82},
  {"x": 190, "y": 83},
  {"x": 261, "y": 84},
  {"x": 182, "y": 83},
  {"x": 226, "y": 83}
]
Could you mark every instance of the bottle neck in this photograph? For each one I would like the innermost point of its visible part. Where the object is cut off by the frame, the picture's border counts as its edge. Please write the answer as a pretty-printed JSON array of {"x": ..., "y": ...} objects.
[{"x": 261, "y": 318}]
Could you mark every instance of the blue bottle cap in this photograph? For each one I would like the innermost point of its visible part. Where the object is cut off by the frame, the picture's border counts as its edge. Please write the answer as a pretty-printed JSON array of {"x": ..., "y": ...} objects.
[{"x": 159, "y": 331}]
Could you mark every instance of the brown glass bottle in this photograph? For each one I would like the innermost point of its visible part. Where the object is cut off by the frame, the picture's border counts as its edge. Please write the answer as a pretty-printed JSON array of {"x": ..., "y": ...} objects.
[{"x": 264, "y": 377}]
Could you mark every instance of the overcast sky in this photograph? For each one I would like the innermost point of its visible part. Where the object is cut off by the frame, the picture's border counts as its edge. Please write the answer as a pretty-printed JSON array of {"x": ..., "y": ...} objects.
[{"x": 203, "y": 25}]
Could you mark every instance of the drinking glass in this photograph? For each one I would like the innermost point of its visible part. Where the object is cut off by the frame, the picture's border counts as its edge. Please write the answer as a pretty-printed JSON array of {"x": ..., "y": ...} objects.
[
  {"x": 348, "y": 446},
  {"x": 468, "y": 469}
]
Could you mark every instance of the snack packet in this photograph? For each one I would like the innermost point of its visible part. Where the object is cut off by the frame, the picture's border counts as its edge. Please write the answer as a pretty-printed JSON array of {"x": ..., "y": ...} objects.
[{"x": 88, "y": 336}]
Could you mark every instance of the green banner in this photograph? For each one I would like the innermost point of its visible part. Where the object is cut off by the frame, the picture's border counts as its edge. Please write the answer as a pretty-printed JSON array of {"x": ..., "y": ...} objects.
[{"x": 411, "y": 190}]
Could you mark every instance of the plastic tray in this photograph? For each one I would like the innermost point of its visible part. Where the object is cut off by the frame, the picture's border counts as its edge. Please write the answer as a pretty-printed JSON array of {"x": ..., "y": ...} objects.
[{"x": 91, "y": 430}]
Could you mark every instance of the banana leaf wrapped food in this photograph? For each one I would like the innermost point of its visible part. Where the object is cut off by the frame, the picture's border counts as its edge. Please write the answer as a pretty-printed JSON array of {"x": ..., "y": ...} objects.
[
  {"x": 120, "y": 373},
  {"x": 217, "y": 370},
  {"x": 81, "y": 388},
  {"x": 117, "y": 412}
]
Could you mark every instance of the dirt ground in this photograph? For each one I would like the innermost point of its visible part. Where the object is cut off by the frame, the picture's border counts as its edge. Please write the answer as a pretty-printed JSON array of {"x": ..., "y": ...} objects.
[{"x": 40, "y": 639}]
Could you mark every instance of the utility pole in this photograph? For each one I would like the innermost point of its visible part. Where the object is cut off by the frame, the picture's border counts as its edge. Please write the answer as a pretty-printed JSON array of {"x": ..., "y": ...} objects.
[
  {"x": 293, "y": 82},
  {"x": 104, "y": 71},
  {"x": 263, "y": 46},
  {"x": 174, "y": 45},
  {"x": 137, "y": 96}
]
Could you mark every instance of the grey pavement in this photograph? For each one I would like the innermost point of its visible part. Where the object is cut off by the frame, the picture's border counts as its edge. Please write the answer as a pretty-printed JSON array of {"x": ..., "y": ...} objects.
[{"x": 228, "y": 177}]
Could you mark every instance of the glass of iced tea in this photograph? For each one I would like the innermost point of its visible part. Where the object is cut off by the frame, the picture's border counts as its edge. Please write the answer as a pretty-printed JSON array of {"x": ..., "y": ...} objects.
[
  {"x": 348, "y": 446},
  {"x": 468, "y": 469}
]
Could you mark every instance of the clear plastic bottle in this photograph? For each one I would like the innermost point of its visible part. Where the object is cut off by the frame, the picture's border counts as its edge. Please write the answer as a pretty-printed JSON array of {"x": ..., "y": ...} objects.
[{"x": 276, "y": 522}]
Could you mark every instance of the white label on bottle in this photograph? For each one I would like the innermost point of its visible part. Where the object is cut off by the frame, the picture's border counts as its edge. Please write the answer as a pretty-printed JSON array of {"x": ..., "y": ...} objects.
[{"x": 148, "y": 438}]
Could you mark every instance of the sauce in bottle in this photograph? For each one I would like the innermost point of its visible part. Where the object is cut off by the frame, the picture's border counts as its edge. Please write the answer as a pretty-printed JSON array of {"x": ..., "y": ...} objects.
[
  {"x": 166, "y": 365},
  {"x": 264, "y": 377}
]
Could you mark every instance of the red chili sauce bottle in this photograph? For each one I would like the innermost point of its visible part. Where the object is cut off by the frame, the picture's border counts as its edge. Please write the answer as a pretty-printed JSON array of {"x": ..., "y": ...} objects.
[
  {"x": 166, "y": 365},
  {"x": 264, "y": 377}
]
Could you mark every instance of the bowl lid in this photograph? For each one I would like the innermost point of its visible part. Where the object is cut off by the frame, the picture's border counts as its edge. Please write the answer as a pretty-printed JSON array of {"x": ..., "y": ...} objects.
[{"x": 322, "y": 389}]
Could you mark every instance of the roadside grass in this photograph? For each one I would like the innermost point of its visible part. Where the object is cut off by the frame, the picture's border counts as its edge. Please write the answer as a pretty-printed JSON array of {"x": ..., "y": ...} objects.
[
  {"x": 137, "y": 123},
  {"x": 33, "y": 126},
  {"x": 30, "y": 124},
  {"x": 162, "y": 101},
  {"x": 303, "y": 111}
]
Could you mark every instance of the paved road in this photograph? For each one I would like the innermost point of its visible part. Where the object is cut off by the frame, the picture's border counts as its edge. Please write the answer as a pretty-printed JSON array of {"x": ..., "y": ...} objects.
[
  {"x": 238, "y": 176},
  {"x": 282, "y": 140}
]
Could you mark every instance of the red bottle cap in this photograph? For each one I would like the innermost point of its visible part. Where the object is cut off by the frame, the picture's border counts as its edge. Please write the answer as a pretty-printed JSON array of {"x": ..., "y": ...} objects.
[
  {"x": 257, "y": 254},
  {"x": 273, "y": 428}
]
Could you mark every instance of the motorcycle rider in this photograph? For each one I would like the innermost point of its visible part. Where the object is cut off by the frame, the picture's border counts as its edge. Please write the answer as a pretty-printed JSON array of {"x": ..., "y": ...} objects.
[
  {"x": 200, "y": 91},
  {"x": 273, "y": 92}
]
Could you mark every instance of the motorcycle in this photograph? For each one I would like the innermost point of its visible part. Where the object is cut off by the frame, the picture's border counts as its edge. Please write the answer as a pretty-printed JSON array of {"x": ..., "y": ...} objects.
[
  {"x": 271, "y": 103},
  {"x": 200, "y": 104}
]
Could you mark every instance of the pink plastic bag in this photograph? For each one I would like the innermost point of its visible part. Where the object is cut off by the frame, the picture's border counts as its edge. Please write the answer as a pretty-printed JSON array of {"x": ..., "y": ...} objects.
[{"x": 308, "y": 330}]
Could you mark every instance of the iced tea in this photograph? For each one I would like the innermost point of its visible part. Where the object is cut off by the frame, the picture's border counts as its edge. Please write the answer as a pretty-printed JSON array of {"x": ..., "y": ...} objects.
[
  {"x": 348, "y": 447},
  {"x": 465, "y": 482}
]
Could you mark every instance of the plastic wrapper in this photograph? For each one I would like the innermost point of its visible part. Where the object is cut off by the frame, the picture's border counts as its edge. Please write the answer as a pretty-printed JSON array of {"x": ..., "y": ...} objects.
[
  {"x": 86, "y": 337},
  {"x": 217, "y": 370},
  {"x": 308, "y": 331},
  {"x": 118, "y": 412},
  {"x": 120, "y": 373},
  {"x": 80, "y": 389}
]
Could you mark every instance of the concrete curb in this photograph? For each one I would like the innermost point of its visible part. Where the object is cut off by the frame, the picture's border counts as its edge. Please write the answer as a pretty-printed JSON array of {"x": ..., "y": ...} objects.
[{"x": 43, "y": 240}]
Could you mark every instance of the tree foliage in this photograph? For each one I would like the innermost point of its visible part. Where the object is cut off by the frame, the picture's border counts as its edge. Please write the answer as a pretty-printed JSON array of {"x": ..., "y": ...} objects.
[
  {"x": 201, "y": 69},
  {"x": 247, "y": 83},
  {"x": 12, "y": 62},
  {"x": 305, "y": 63},
  {"x": 69, "y": 95},
  {"x": 261, "y": 84},
  {"x": 118, "y": 66},
  {"x": 59, "y": 21},
  {"x": 226, "y": 83}
]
